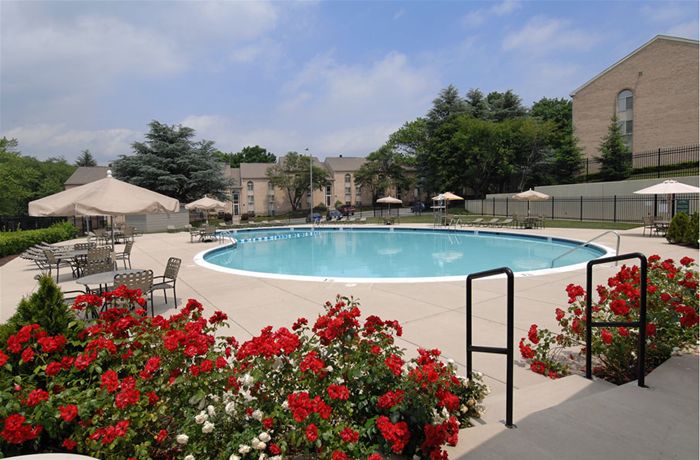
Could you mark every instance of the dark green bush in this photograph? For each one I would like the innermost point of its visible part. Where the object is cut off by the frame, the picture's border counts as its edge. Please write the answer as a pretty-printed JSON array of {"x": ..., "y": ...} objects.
[
  {"x": 45, "y": 307},
  {"x": 16, "y": 242},
  {"x": 683, "y": 229}
]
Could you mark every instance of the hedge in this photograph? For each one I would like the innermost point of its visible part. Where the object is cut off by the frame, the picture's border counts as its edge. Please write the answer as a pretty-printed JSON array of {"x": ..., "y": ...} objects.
[
  {"x": 683, "y": 229},
  {"x": 15, "y": 242}
]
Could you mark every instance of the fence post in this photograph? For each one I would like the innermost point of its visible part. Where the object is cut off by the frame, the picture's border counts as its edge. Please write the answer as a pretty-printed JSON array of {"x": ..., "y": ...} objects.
[
  {"x": 658, "y": 164},
  {"x": 494, "y": 206},
  {"x": 506, "y": 206},
  {"x": 552, "y": 208},
  {"x": 656, "y": 197},
  {"x": 482, "y": 206},
  {"x": 581, "y": 209},
  {"x": 614, "y": 208},
  {"x": 587, "y": 173}
]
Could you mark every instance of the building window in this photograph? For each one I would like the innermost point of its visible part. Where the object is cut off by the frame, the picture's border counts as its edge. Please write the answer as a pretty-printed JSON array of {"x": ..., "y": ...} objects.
[
  {"x": 625, "y": 115},
  {"x": 270, "y": 189},
  {"x": 251, "y": 203},
  {"x": 348, "y": 178},
  {"x": 250, "y": 187},
  {"x": 328, "y": 195},
  {"x": 348, "y": 194}
]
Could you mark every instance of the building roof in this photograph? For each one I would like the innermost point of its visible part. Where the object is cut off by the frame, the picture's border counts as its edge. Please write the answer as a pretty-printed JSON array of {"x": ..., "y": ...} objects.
[
  {"x": 86, "y": 174},
  {"x": 342, "y": 164},
  {"x": 233, "y": 174},
  {"x": 633, "y": 53},
  {"x": 254, "y": 170}
]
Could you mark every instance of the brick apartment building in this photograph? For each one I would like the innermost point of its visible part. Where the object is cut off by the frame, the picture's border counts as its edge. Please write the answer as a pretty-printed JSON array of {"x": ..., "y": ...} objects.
[{"x": 654, "y": 93}]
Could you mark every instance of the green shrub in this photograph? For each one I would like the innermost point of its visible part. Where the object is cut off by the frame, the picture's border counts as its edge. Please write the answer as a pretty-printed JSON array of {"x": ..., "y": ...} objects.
[
  {"x": 683, "y": 230},
  {"x": 15, "y": 242}
]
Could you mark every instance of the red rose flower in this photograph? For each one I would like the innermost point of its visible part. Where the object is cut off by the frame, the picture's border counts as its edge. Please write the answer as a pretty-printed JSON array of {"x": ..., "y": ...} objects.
[
  {"x": 394, "y": 363},
  {"x": 349, "y": 435},
  {"x": 69, "y": 444},
  {"x": 268, "y": 423},
  {"x": 687, "y": 261},
  {"x": 110, "y": 381},
  {"x": 338, "y": 455},
  {"x": 396, "y": 434},
  {"x": 3, "y": 358},
  {"x": 53, "y": 368},
  {"x": 374, "y": 457},
  {"x": 338, "y": 392},
  {"x": 311, "y": 433},
  {"x": 525, "y": 350},
  {"x": 152, "y": 397},
  {"x": 36, "y": 396},
  {"x": 274, "y": 449},
  {"x": 623, "y": 331},
  {"x": 390, "y": 399},
  {"x": 538, "y": 367},
  {"x": 606, "y": 336},
  {"x": 161, "y": 436},
  {"x": 651, "y": 330},
  {"x": 27, "y": 355},
  {"x": 68, "y": 412}
]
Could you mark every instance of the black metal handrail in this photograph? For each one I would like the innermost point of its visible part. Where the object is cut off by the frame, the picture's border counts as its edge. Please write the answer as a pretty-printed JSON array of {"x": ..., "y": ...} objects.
[
  {"x": 508, "y": 350},
  {"x": 641, "y": 323}
]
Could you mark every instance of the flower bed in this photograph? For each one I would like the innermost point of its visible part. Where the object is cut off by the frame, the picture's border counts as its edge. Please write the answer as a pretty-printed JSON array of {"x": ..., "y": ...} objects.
[
  {"x": 672, "y": 323},
  {"x": 131, "y": 386}
]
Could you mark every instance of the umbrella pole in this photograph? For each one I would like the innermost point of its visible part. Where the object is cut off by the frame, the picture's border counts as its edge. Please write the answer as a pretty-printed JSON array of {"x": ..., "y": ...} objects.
[{"x": 111, "y": 220}]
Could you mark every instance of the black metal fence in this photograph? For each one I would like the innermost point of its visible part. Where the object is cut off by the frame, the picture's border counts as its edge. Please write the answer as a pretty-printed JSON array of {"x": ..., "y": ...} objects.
[
  {"x": 616, "y": 208},
  {"x": 662, "y": 162},
  {"x": 13, "y": 223}
]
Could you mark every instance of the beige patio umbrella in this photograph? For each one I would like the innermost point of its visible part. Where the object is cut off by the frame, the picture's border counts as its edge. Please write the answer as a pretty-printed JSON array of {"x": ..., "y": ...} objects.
[
  {"x": 104, "y": 197},
  {"x": 389, "y": 200},
  {"x": 669, "y": 188},
  {"x": 207, "y": 204},
  {"x": 530, "y": 195}
]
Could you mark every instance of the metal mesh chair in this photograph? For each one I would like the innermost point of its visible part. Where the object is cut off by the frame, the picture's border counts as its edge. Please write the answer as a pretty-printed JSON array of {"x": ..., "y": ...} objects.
[
  {"x": 168, "y": 279},
  {"x": 126, "y": 255},
  {"x": 140, "y": 280},
  {"x": 53, "y": 261}
]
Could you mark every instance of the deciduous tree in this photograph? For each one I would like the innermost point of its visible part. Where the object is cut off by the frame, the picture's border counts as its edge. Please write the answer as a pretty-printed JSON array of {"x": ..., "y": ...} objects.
[
  {"x": 291, "y": 173},
  {"x": 254, "y": 154}
]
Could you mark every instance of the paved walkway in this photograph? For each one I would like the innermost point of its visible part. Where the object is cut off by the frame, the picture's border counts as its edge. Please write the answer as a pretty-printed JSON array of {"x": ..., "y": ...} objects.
[{"x": 433, "y": 314}]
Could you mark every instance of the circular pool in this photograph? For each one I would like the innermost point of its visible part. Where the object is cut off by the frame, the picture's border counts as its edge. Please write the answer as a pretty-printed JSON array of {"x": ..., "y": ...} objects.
[{"x": 394, "y": 254}]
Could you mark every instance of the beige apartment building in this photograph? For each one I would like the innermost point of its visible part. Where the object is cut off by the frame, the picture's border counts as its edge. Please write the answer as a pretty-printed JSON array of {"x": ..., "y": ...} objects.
[{"x": 654, "y": 93}]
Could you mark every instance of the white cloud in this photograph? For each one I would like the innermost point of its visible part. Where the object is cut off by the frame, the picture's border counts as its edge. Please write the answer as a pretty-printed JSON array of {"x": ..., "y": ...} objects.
[
  {"x": 45, "y": 140},
  {"x": 664, "y": 12},
  {"x": 541, "y": 35},
  {"x": 477, "y": 17}
]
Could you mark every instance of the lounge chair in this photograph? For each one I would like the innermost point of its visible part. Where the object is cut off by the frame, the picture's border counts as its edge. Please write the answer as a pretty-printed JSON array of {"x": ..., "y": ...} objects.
[
  {"x": 491, "y": 223},
  {"x": 363, "y": 220},
  {"x": 506, "y": 222},
  {"x": 476, "y": 222}
]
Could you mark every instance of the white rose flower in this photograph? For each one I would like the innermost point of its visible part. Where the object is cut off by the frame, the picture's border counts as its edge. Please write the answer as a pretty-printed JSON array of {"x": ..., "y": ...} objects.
[
  {"x": 234, "y": 457},
  {"x": 208, "y": 427},
  {"x": 201, "y": 417},
  {"x": 247, "y": 380},
  {"x": 230, "y": 408},
  {"x": 329, "y": 368},
  {"x": 285, "y": 404},
  {"x": 211, "y": 411},
  {"x": 257, "y": 415},
  {"x": 182, "y": 438},
  {"x": 214, "y": 398},
  {"x": 416, "y": 457},
  {"x": 262, "y": 457},
  {"x": 189, "y": 457},
  {"x": 260, "y": 446},
  {"x": 264, "y": 437},
  {"x": 243, "y": 449}
]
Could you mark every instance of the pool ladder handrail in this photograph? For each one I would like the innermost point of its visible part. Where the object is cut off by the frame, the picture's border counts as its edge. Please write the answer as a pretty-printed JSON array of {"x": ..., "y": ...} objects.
[{"x": 580, "y": 245}]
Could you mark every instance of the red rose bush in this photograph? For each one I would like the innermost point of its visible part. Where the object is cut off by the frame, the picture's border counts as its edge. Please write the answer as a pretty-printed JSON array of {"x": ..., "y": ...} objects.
[
  {"x": 672, "y": 322},
  {"x": 126, "y": 385}
]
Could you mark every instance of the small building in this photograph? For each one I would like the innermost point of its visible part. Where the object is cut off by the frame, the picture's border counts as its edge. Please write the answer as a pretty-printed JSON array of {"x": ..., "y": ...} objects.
[
  {"x": 654, "y": 93},
  {"x": 84, "y": 175},
  {"x": 343, "y": 186}
]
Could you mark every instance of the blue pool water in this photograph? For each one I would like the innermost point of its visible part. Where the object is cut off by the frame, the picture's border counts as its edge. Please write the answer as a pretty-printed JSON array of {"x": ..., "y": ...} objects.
[{"x": 366, "y": 253}]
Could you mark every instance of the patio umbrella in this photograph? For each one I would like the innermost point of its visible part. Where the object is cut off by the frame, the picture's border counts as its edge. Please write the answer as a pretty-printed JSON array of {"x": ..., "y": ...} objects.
[
  {"x": 669, "y": 188},
  {"x": 206, "y": 204},
  {"x": 104, "y": 197},
  {"x": 389, "y": 200},
  {"x": 530, "y": 195}
]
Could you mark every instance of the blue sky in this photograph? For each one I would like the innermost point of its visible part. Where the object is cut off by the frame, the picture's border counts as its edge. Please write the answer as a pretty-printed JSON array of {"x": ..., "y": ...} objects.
[{"x": 334, "y": 77}]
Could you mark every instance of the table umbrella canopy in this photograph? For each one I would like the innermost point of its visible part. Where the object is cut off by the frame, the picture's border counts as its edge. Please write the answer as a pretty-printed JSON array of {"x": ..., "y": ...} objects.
[
  {"x": 104, "y": 197},
  {"x": 389, "y": 200},
  {"x": 668, "y": 187},
  {"x": 206, "y": 204},
  {"x": 530, "y": 195},
  {"x": 449, "y": 196}
]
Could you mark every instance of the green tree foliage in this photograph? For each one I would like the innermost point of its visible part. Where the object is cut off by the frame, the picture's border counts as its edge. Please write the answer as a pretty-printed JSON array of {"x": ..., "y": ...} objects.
[
  {"x": 291, "y": 174},
  {"x": 24, "y": 178},
  {"x": 172, "y": 163},
  {"x": 85, "y": 159},
  {"x": 503, "y": 106},
  {"x": 446, "y": 105},
  {"x": 254, "y": 154},
  {"x": 683, "y": 229},
  {"x": 477, "y": 106},
  {"x": 615, "y": 157},
  {"x": 567, "y": 159},
  {"x": 384, "y": 169}
]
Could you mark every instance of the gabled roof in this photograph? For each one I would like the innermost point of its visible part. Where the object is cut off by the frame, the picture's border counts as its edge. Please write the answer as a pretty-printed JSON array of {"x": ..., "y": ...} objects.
[
  {"x": 658, "y": 37},
  {"x": 86, "y": 174},
  {"x": 254, "y": 170},
  {"x": 343, "y": 164}
]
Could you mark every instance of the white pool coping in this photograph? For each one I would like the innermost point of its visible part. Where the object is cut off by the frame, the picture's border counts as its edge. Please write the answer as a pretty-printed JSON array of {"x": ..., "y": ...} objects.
[{"x": 199, "y": 260}]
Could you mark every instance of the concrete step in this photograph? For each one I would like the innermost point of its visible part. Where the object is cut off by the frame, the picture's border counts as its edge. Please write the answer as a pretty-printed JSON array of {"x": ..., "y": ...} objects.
[
  {"x": 543, "y": 395},
  {"x": 655, "y": 423}
]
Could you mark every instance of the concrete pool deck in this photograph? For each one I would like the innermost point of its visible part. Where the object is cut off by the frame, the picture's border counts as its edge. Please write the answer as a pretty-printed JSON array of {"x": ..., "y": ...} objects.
[{"x": 432, "y": 314}]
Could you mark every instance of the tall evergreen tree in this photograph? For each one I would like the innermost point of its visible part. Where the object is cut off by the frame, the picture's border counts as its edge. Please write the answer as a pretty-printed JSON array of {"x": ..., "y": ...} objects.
[
  {"x": 172, "y": 163},
  {"x": 615, "y": 157},
  {"x": 85, "y": 159},
  {"x": 567, "y": 161},
  {"x": 447, "y": 104},
  {"x": 503, "y": 106},
  {"x": 477, "y": 106}
]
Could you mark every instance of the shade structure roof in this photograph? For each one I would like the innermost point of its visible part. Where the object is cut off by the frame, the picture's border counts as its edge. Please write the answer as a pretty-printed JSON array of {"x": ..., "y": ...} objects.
[
  {"x": 389, "y": 200},
  {"x": 104, "y": 197},
  {"x": 668, "y": 187},
  {"x": 531, "y": 195},
  {"x": 449, "y": 196},
  {"x": 206, "y": 204}
]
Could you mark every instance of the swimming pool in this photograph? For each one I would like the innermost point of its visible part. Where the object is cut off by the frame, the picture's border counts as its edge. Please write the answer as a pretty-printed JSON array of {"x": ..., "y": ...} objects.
[{"x": 377, "y": 254}]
